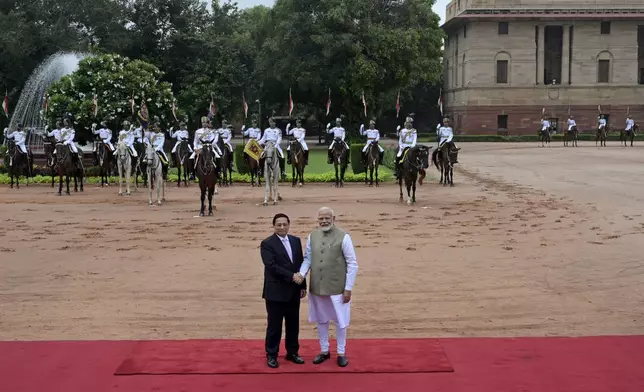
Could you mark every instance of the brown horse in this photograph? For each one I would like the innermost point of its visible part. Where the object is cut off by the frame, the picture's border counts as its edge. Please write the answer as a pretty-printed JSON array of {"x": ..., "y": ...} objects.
[
  {"x": 49, "y": 146},
  {"x": 444, "y": 159},
  {"x": 21, "y": 164},
  {"x": 545, "y": 137},
  {"x": 68, "y": 168},
  {"x": 571, "y": 137},
  {"x": 373, "y": 159},
  {"x": 415, "y": 160},
  {"x": 625, "y": 136},
  {"x": 226, "y": 164},
  {"x": 601, "y": 136},
  {"x": 206, "y": 171},
  {"x": 297, "y": 158},
  {"x": 339, "y": 154},
  {"x": 181, "y": 160},
  {"x": 255, "y": 168},
  {"x": 105, "y": 162}
]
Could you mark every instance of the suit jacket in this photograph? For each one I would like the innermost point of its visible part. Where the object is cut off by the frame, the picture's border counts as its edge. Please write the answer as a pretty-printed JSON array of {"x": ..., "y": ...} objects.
[{"x": 279, "y": 270}]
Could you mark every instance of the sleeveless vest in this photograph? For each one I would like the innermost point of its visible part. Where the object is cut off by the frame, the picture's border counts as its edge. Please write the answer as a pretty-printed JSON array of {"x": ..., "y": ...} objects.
[{"x": 328, "y": 265}]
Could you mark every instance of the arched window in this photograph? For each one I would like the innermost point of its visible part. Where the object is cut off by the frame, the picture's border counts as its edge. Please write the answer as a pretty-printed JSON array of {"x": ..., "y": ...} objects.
[
  {"x": 503, "y": 64},
  {"x": 604, "y": 67}
]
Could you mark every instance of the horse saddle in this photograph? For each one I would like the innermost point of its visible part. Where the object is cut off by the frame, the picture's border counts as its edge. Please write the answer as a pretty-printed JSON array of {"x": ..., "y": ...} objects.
[{"x": 404, "y": 154}]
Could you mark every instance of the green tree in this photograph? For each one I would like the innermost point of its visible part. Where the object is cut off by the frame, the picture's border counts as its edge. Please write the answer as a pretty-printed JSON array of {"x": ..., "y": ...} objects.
[{"x": 114, "y": 79}]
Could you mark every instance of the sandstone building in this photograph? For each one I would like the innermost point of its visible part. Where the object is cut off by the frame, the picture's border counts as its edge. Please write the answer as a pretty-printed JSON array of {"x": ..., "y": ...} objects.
[{"x": 507, "y": 60}]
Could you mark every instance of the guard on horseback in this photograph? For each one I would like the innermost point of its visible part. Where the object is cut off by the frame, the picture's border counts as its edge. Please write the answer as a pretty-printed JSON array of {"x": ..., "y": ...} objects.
[
  {"x": 446, "y": 135},
  {"x": 182, "y": 135},
  {"x": 156, "y": 137},
  {"x": 373, "y": 136},
  {"x": 601, "y": 122},
  {"x": 274, "y": 134},
  {"x": 338, "y": 136},
  {"x": 545, "y": 126},
  {"x": 128, "y": 134},
  {"x": 406, "y": 139},
  {"x": 19, "y": 138},
  {"x": 67, "y": 135},
  {"x": 629, "y": 125},
  {"x": 571, "y": 123},
  {"x": 205, "y": 133},
  {"x": 105, "y": 134},
  {"x": 299, "y": 134},
  {"x": 226, "y": 135},
  {"x": 252, "y": 133}
]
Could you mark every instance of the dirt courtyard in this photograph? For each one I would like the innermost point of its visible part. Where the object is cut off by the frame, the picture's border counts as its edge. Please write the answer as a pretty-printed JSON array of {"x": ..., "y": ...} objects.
[{"x": 530, "y": 242}]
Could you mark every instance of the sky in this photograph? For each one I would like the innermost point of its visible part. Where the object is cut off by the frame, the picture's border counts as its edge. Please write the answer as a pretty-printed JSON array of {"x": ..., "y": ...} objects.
[{"x": 439, "y": 7}]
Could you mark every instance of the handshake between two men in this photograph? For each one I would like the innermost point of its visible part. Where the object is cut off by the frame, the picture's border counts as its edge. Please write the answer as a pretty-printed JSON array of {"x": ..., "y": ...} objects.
[{"x": 299, "y": 279}]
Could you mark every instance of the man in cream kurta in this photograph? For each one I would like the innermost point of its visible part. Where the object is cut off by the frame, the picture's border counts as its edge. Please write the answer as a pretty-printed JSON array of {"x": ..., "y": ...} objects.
[{"x": 331, "y": 258}]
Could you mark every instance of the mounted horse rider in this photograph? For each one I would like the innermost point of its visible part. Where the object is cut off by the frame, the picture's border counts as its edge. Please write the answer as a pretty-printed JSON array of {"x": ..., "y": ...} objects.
[
  {"x": 299, "y": 134},
  {"x": 156, "y": 137},
  {"x": 338, "y": 134},
  {"x": 19, "y": 138},
  {"x": 205, "y": 133},
  {"x": 252, "y": 133},
  {"x": 602, "y": 122},
  {"x": 128, "y": 134},
  {"x": 629, "y": 125},
  {"x": 182, "y": 135},
  {"x": 545, "y": 126},
  {"x": 373, "y": 136},
  {"x": 226, "y": 135},
  {"x": 105, "y": 134},
  {"x": 446, "y": 134},
  {"x": 273, "y": 134},
  {"x": 571, "y": 123},
  {"x": 406, "y": 139},
  {"x": 67, "y": 134}
]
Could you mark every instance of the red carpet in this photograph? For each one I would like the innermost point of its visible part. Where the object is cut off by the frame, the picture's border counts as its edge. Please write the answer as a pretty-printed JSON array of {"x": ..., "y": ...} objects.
[
  {"x": 247, "y": 357},
  {"x": 591, "y": 364}
]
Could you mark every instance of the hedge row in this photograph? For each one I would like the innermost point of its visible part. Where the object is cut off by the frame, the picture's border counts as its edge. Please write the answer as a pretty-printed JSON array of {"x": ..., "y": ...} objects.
[
  {"x": 240, "y": 178},
  {"x": 529, "y": 138}
]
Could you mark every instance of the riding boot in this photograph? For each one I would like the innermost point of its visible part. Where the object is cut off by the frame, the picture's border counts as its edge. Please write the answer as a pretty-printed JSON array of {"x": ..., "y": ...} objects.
[
  {"x": 95, "y": 156},
  {"x": 380, "y": 157},
  {"x": 306, "y": 157},
  {"x": 397, "y": 169},
  {"x": 283, "y": 167},
  {"x": 288, "y": 154},
  {"x": 329, "y": 159}
]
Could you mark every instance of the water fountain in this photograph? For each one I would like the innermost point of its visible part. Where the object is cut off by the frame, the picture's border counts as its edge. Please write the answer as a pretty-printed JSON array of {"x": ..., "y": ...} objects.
[{"x": 29, "y": 110}]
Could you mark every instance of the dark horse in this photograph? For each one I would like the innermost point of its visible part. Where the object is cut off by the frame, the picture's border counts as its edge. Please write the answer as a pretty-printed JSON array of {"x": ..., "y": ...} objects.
[
  {"x": 105, "y": 162},
  {"x": 21, "y": 163},
  {"x": 444, "y": 159},
  {"x": 206, "y": 171},
  {"x": 601, "y": 136},
  {"x": 297, "y": 158},
  {"x": 415, "y": 160},
  {"x": 69, "y": 168},
  {"x": 545, "y": 137},
  {"x": 255, "y": 168},
  {"x": 372, "y": 161},
  {"x": 624, "y": 135},
  {"x": 226, "y": 164},
  {"x": 49, "y": 146},
  {"x": 571, "y": 137},
  {"x": 181, "y": 160},
  {"x": 339, "y": 154}
]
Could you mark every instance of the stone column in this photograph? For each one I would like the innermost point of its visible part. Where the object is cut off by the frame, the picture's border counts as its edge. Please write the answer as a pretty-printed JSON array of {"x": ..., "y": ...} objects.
[
  {"x": 565, "y": 59},
  {"x": 541, "y": 54}
]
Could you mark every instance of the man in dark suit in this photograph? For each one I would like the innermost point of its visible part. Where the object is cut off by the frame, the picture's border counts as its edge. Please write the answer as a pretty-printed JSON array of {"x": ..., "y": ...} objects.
[{"x": 283, "y": 289}]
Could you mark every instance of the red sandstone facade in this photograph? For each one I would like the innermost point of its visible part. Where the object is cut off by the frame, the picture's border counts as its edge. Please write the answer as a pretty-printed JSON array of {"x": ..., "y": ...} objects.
[{"x": 508, "y": 61}]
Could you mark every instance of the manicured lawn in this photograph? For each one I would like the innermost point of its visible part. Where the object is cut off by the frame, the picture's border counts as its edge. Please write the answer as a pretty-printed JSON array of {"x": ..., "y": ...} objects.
[{"x": 317, "y": 164}]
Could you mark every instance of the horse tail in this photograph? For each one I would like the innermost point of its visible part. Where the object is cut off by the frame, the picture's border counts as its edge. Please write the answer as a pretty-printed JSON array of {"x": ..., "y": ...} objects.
[{"x": 435, "y": 159}]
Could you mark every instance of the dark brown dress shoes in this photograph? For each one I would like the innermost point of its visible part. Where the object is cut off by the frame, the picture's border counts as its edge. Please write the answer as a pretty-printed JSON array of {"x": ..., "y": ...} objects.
[{"x": 321, "y": 358}]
